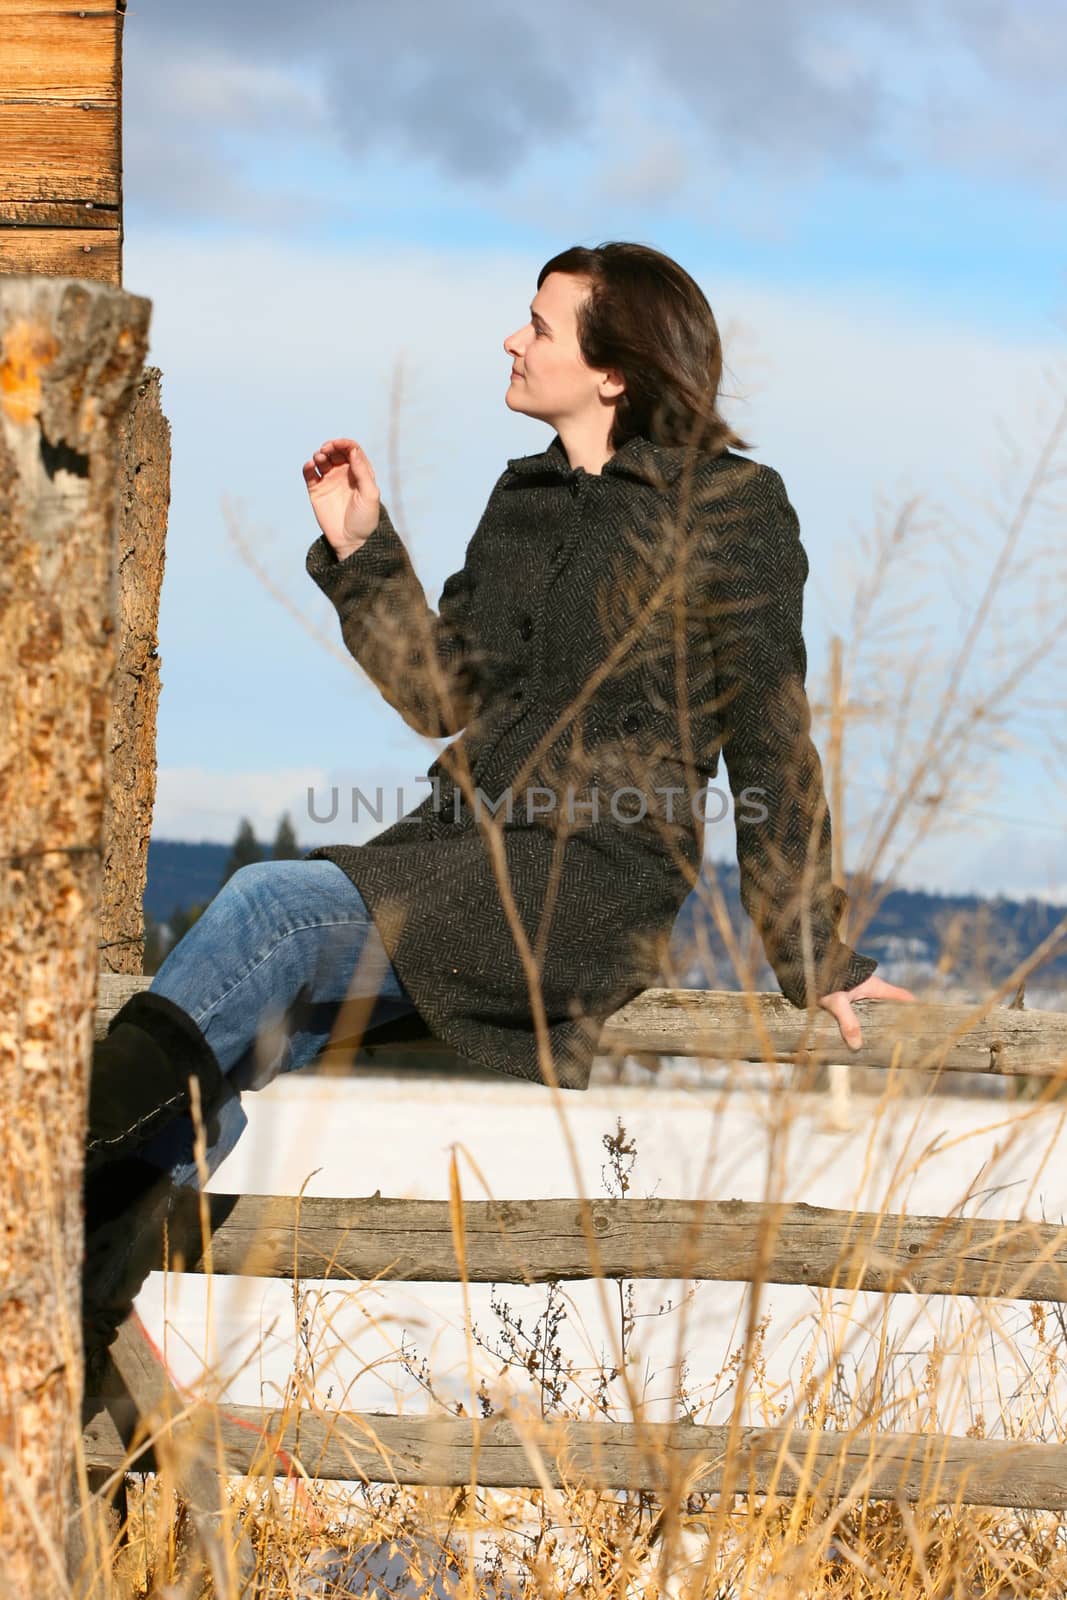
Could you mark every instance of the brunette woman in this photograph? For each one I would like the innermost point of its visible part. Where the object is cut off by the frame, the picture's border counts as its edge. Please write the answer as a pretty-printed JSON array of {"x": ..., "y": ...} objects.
[{"x": 628, "y": 609}]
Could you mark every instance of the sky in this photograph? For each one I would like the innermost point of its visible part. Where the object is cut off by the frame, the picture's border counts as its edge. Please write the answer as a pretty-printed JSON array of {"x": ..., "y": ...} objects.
[{"x": 339, "y": 213}]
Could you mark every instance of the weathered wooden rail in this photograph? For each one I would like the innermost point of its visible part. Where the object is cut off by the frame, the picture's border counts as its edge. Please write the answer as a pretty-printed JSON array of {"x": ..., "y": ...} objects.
[
  {"x": 543, "y": 1241},
  {"x": 655, "y": 1457},
  {"x": 529, "y": 1241},
  {"x": 1002, "y": 1042}
]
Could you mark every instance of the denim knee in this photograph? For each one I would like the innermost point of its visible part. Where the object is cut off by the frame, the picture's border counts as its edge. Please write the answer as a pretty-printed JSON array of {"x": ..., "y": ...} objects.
[
  {"x": 253, "y": 880},
  {"x": 299, "y": 885},
  {"x": 253, "y": 900}
]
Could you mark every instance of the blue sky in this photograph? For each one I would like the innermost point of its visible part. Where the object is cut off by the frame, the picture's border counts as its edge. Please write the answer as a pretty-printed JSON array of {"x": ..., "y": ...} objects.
[{"x": 323, "y": 205}]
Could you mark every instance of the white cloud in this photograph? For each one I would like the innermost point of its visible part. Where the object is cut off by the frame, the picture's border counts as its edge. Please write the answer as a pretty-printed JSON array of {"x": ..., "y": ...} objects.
[
  {"x": 998, "y": 858},
  {"x": 326, "y": 805},
  {"x": 195, "y": 803},
  {"x": 231, "y": 90},
  {"x": 475, "y": 92}
]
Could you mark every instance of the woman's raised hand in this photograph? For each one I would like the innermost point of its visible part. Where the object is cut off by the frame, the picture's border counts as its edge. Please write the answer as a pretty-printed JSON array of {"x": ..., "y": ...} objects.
[{"x": 344, "y": 494}]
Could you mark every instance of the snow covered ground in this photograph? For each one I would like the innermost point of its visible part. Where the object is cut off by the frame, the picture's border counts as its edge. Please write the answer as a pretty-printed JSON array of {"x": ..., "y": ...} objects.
[{"x": 395, "y": 1134}]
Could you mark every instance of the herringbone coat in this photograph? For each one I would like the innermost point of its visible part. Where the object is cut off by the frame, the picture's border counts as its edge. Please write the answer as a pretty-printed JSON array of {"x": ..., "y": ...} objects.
[{"x": 608, "y": 631}]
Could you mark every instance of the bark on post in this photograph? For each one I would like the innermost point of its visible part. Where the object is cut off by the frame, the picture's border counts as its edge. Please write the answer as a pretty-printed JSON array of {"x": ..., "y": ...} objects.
[
  {"x": 71, "y": 353},
  {"x": 131, "y": 777}
]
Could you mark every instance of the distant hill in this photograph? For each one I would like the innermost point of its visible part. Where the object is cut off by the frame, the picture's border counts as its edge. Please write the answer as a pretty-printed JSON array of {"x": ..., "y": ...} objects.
[
  {"x": 182, "y": 874},
  {"x": 974, "y": 938},
  {"x": 912, "y": 931}
]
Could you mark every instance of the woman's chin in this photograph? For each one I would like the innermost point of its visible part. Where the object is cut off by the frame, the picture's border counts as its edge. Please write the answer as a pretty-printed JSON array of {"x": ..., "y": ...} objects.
[{"x": 515, "y": 400}]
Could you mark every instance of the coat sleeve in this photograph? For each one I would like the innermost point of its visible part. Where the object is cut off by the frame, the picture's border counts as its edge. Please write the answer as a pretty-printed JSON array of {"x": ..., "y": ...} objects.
[
  {"x": 423, "y": 662},
  {"x": 781, "y": 813}
]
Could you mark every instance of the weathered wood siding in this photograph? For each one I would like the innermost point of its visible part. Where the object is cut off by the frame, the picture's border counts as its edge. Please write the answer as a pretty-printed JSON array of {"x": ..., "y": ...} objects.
[{"x": 61, "y": 139}]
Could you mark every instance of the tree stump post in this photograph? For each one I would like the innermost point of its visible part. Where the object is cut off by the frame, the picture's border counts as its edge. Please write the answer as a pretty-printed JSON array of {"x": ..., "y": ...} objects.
[
  {"x": 71, "y": 354},
  {"x": 141, "y": 529}
]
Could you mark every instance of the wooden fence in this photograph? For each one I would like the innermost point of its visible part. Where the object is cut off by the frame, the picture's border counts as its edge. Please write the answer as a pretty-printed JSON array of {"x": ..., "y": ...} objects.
[{"x": 532, "y": 1241}]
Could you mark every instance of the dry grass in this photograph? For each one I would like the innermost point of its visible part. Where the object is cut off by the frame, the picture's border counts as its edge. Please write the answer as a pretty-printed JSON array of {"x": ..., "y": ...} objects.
[{"x": 859, "y": 1373}]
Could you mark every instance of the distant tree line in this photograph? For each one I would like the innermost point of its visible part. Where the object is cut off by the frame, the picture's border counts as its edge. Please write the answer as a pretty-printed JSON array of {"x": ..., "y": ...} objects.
[{"x": 161, "y": 937}]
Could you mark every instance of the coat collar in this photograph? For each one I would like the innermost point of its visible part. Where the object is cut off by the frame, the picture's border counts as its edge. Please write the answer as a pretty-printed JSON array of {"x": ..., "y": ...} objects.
[{"x": 655, "y": 464}]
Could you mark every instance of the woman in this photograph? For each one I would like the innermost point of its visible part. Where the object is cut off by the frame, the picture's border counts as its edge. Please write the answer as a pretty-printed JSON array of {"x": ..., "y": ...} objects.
[{"x": 629, "y": 605}]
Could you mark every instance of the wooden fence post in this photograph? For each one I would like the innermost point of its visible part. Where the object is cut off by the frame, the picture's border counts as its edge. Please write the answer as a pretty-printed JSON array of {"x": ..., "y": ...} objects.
[
  {"x": 141, "y": 530},
  {"x": 61, "y": 215},
  {"x": 71, "y": 353}
]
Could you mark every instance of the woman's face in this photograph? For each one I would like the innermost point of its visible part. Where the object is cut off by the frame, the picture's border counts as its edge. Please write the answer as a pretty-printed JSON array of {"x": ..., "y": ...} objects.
[{"x": 550, "y": 380}]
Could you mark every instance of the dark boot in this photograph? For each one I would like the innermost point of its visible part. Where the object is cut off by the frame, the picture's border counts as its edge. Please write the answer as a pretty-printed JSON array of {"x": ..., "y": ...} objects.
[
  {"x": 140, "y": 1077},
  {"x": 126, "y": 1206},
  {"x": 120, "y": 1244}
]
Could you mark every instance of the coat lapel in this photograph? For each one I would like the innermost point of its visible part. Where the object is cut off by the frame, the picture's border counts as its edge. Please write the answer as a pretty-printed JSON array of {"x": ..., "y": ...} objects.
[{"x": 657, "y": 465}]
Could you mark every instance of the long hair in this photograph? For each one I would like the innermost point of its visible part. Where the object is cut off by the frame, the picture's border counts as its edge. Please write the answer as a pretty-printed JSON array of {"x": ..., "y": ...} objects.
[{"x": 647, "y": 317}]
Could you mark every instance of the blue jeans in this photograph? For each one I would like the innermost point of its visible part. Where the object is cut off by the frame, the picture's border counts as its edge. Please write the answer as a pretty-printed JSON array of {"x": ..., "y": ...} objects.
[{"x": 263, "y": 973}]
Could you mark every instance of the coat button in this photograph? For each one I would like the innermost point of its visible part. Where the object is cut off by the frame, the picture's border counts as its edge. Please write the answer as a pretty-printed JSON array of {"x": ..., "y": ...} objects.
[
  {"x": 526, "y": 627},
  {"x": 631, "y": 723},
  {"x": 558, "y": 551},
  {"x": 517, "y": 694}
]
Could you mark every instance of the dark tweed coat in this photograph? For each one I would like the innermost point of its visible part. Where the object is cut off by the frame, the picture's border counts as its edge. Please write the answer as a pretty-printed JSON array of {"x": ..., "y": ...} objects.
[{"x": 609, "y": 631}]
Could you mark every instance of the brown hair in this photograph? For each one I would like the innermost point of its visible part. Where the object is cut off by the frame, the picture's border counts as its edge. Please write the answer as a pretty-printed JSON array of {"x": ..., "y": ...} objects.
[{"x": 646, "y": 316}]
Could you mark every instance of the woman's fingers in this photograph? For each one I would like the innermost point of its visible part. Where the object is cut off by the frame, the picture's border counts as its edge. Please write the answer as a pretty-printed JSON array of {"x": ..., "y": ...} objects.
[
  {"x": 847, "y": 1020},
  {"x": 314, "y": 467},
  {"x": 893, "y": 991},
  {"x": 339, "y": 452},
  {"x": 359, "y": 461},
  {"x": 839, "y": 1005},
  {"x": 876, "y": 988},
  {"x": 319, "y": 465}
]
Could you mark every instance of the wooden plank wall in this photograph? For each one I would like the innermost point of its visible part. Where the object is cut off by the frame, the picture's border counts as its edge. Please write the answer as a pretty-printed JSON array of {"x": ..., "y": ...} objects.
[{"x": 61, "y": 138}]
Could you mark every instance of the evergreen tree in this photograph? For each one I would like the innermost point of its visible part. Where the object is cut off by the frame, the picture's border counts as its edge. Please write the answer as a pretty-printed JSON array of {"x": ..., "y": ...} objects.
[
  {"x": 154, "y": 945},
  {"x": 181, "y": 920},
  {"x": 246, "y": 849},
  {"x": 285, "y": 845}
]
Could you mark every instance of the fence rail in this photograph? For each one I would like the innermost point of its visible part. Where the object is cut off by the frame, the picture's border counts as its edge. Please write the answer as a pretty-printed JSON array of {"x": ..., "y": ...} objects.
[
  {"x": 1002, "y": 1042},
  {"x": 501, "y": 1453},
  {"x": 536, "y": 1241},
  {"x": 541, "y": 1241}
]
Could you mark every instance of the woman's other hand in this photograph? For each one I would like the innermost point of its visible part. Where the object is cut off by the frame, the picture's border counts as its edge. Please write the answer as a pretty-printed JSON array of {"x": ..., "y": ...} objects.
[
  {"x": 344, "y": 494},
  {"x": 839, "y": 1005}
]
